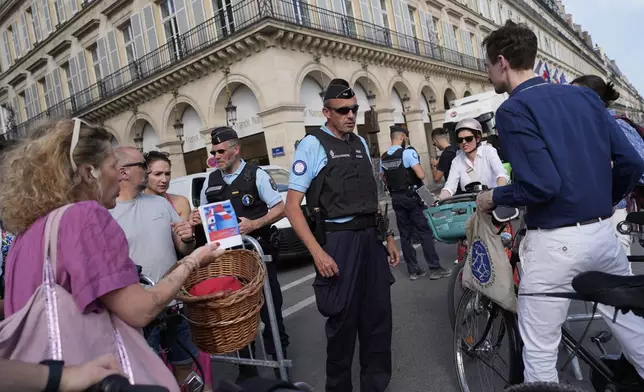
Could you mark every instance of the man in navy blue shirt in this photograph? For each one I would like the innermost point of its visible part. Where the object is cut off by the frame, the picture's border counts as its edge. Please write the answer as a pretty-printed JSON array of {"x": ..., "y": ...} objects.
[{"x": 560, "y": 141}]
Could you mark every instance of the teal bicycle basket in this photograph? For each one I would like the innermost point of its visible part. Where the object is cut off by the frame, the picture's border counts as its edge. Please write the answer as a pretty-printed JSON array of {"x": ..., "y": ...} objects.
[{"x": 448, "y": 220}]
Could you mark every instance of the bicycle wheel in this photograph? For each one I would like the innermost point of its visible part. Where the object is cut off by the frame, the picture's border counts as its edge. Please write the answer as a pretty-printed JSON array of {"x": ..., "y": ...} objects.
[
  {"x": 487, "y": 350},
  {"x": 455, "y": 291},
  {"x": 544, "y": 387}
]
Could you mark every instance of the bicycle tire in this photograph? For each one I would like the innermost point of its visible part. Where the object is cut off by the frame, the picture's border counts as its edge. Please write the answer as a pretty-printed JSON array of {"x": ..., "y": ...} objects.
[
  {"x": 544, "y": 387},
  {"x": 451, "y": 290},
  {"x": 511, "y": 329}
]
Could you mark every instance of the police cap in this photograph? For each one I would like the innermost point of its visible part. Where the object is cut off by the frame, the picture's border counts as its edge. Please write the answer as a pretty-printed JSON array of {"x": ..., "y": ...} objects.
[
  {"x": 222, "y": 134},
  {"x": 339, "y": 89},
  {"x": 395, "y": 128}
]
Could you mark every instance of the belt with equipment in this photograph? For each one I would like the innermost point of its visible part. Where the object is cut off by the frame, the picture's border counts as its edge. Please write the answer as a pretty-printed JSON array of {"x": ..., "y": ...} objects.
[{"x": 359, "y": 222}]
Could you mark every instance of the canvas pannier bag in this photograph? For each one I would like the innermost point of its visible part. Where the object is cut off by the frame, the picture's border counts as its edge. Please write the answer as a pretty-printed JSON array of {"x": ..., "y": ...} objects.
[{"x": 487, "y": 268}]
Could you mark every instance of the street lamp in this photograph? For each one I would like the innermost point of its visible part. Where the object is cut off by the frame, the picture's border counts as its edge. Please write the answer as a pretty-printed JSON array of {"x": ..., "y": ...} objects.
[
  {"x": 371, "y": 98},
  {"x": 231, "y": 113},
  {"x": 138, "y": 141},
  {"x": 405, "y": 101},
  {"x": 178, "y": 125}
]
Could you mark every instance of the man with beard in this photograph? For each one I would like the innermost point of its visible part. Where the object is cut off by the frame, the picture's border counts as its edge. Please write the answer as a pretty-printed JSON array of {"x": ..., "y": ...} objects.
[
  {"x": 155, "y": 233},
  {"x": 333, "y": 169}
]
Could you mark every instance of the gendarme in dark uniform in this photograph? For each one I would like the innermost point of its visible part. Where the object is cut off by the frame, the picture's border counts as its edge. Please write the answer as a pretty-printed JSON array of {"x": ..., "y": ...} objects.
[
  {"x": 397, "y": 165},
  {"x": 252, "y": 193},
  {"x": 332, "y": 167}
]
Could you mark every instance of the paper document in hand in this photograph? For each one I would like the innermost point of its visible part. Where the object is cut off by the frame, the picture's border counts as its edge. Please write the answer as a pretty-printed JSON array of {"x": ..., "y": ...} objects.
[{"x": 220, "y": 224}]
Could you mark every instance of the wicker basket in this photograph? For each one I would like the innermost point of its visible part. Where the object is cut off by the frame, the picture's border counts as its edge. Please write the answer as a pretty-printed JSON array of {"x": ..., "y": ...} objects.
[{"x": 227, "y": 321}]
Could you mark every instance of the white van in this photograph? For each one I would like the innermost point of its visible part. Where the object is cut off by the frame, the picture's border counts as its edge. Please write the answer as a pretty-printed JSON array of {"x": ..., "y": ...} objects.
[
  {"x": 481, "y": 106},
  {"x": 290, "y": 244}
]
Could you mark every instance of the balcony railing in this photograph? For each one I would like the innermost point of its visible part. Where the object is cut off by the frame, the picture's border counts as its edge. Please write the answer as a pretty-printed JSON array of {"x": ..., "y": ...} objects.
[{"x": 241, "y": 16}]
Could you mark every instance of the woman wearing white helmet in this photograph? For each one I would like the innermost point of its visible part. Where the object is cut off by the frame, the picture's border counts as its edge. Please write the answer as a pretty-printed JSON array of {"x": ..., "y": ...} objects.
[{"x": 474, "y": 162}]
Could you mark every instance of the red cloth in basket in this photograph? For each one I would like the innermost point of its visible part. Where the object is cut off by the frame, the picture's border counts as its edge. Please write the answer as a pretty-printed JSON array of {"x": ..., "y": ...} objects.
[{"x": 216, "y": 285}]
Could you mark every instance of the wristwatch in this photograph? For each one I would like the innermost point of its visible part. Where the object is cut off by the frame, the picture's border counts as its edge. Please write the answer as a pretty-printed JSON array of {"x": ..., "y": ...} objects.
[
  {"x": 390, "y": 233},
  {"x": 55, "y": 374}
]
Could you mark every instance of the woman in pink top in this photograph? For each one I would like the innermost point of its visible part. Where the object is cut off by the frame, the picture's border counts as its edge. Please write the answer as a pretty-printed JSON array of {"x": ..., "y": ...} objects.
[{"x": 66, "y": 164}]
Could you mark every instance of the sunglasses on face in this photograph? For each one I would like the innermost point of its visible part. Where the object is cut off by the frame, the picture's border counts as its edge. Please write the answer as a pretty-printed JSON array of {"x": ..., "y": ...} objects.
[
  {"x": 466, "y": 139},
  {"x": 344, "y": 110},
  {"x": 221, "y": 151},
  {"x": 143, "y": 165}
]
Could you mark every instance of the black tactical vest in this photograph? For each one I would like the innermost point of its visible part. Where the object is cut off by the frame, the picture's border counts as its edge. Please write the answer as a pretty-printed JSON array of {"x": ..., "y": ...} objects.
[
  {"x": 346, "y": 185},
  {"x": 242, "y": 193},
  {"x": 398, "y": 177}
]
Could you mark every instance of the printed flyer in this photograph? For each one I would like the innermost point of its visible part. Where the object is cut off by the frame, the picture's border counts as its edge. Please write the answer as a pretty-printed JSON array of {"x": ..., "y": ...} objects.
[{"x": 220, "y": 224}]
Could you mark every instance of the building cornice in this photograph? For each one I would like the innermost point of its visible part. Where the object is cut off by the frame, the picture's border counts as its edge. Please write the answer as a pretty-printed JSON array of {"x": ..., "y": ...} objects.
[{"x": 272, "y": 34}]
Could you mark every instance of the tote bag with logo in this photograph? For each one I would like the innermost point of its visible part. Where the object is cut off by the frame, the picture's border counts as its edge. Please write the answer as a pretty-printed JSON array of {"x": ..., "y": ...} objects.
[
  {"x": 487, "y": 268},
  {"x": 50, "y": 326}
]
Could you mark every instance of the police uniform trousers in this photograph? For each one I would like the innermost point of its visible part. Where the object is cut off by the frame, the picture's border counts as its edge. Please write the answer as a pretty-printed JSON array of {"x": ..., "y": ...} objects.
[
  {"x": 276, "y": 293},
  {"x": 410, "y": 220},
  {"x": 357, "y": 303}
]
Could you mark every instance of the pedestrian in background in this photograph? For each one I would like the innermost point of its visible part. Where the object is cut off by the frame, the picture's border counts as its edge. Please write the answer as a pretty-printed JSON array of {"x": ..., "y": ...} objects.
[
  {"x": 442, "y": 164},
  {"x": 608, "y": 94},
  {"x": 401, "y": 170}
]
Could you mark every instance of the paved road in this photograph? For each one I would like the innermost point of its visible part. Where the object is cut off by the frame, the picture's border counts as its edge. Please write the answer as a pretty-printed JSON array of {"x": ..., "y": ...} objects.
[{"x": 422, "y": 338}]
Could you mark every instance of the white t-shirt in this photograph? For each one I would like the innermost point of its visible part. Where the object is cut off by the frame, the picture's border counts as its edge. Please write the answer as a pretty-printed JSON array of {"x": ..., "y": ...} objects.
[
  {"x": 486, "y": 169},
  {"x": 146, "y": 223}
]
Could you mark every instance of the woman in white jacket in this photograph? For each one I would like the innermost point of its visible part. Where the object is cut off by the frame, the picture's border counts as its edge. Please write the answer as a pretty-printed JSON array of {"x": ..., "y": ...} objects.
[{"x": 474, "y": 162}]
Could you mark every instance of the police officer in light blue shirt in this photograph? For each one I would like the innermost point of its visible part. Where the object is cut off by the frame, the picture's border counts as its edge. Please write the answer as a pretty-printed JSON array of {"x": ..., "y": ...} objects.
[
  {"x": 332, "y": 167},
  {"x": 400, "y": 168},
  {"x": 257, "y": 204}
]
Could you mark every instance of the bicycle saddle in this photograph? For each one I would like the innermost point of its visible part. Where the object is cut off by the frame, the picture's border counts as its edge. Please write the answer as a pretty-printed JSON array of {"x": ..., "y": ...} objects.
[
  {"x": 623, "y": 292},
  {"x": 635, "y": 217}
]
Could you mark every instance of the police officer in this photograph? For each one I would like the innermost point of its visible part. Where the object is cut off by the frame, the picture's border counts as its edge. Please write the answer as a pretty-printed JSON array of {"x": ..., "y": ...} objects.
[
  {"x": 403, "y": 174},
  {"x": 333, "y": 169},
  {"x": 258, "y": 204}
]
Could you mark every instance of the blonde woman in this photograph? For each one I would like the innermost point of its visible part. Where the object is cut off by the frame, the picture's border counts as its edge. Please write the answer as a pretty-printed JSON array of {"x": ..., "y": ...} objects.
[{"x": 69, "y": 162}]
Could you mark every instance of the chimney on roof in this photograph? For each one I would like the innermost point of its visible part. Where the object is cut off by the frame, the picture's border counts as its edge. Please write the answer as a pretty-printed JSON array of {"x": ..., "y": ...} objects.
[
  {"x": 589, "y": 40},
  {"x": 577, "y": 28},
  {"x": 568, "y": 19}
]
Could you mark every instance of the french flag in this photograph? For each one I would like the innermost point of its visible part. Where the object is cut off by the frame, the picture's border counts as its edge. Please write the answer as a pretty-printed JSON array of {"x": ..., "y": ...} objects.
[
  {"x": 556, "y": 76},
  {"x": 537, "y": 69},
  {"x": 546, "y": 73}
]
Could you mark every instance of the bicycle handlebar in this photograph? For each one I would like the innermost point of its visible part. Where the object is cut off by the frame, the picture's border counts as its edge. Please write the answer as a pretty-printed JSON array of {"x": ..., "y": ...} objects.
[{"x": 117, "y": 383}]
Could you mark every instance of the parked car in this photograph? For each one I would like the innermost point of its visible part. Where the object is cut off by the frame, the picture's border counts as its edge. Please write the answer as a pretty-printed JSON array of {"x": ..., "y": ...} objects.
[{"x": 290, "y": 244}]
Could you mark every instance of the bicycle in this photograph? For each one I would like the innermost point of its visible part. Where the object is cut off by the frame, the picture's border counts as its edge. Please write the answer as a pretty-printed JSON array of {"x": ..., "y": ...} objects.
[
  {"x": 447, "y": 219},
  {"x": 608, "y": 373}
]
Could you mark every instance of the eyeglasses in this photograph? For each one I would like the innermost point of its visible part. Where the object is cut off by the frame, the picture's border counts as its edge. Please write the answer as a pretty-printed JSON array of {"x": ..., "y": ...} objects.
[
  {"x": 74, "y": 142},
  {"x": 143, "y": 165},
  {"x": 344, "y": 110},
  {"x": 467, "y": 139},
  {"x": 221, "y": 151}
]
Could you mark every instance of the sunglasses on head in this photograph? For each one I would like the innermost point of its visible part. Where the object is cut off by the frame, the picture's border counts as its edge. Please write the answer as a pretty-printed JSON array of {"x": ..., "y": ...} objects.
[
  {"x": 467, "y": 139},
  {"x": 345, "y": 109},
  {"x": 156, "y": 154},
  {"x": 142, "y": 165}
]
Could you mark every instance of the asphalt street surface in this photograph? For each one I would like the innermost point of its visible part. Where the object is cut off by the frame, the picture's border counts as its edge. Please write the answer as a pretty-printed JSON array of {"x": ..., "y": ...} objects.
[{"x": 422, "y": 346}]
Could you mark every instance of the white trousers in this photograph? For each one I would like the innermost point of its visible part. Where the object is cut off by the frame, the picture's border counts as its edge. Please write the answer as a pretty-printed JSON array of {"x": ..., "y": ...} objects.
[
  {"x": 550, "y": 259},
  {"x": 625, "y": 239}
]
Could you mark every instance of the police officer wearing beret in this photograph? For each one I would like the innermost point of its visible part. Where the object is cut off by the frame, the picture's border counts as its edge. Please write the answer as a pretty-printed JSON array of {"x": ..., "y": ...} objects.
[
  {"x": 332, "y": 168},
  {"x": 258, "y": 204},
  {"x": 400, "y": 168}
]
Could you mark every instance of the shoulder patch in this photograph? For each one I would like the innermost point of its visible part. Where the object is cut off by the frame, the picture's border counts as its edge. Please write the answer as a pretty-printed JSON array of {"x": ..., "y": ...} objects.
[
  {"x": 299, "y": 167},
  {"x": 272, "y": 182},
  {"x": 414, "y": 154}
]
